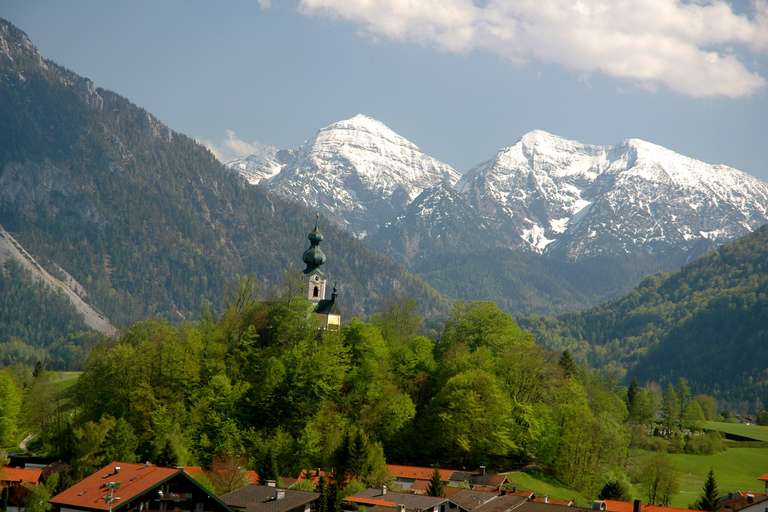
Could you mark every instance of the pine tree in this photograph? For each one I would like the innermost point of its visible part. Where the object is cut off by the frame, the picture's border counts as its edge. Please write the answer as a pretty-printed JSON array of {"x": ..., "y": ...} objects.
[
  {"x": 167, "y": 457},
  {"x": 322, "y": 501},
  {"x": 614, "y": 490},
  {"x": 567, "y": 364},
  {"x": 710, "y": 496},
  {"x": 436, "y": 486},
  {"x": 634, "y": 389}
]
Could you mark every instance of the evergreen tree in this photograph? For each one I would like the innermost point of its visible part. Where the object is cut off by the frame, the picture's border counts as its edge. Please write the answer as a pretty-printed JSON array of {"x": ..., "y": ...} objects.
[
  {"x": 436, "y": 487},
  {"x": 567, "y": 363},
  {"x": 614, "y": 490},
  {"x": 632, "y": 391},
  {"x": 322, "y": 500},
  {"x": 269, "y": 469},
  {"x": 167, "y": 457},
  {"x": 710, "y": 495}
]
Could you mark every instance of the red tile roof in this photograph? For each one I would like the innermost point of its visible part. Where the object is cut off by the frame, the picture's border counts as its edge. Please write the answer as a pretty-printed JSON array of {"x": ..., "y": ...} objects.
[
  {"x": 520, "y": 492},
  {"x": 552, "y": 501},
  {"x": 417, "y": 472},
  {"x": 371, "y": 501},
  {"x": 20, "y": 475},
  {"x": 627, "y": 506},
  {"x": 252, "y": 477},
  {"x": 134, "y": 479},
  {"x": 764, "y": 477}
]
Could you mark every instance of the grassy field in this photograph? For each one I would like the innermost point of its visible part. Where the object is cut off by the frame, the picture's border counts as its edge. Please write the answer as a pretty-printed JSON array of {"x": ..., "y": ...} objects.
[
  {"x": 757, "y": 432},
  {"x": 735, "y": 469},
  {"x": 543, "y": 486}
]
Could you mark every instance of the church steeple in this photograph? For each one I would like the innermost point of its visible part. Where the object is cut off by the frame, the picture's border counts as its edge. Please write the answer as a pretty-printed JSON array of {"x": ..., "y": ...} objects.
[{"x": 313, "y": 257}]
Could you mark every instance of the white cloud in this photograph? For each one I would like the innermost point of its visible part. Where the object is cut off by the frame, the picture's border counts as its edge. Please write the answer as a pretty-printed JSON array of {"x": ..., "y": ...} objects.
[
  {"x": 233, "y": 147},
  {"x": 682, "y": 45},
  {"x": 264, "y": 4}
]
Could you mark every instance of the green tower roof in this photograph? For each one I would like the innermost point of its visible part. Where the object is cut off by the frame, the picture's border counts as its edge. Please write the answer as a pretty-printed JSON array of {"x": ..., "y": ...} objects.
[{"x": 314, "y": 256}]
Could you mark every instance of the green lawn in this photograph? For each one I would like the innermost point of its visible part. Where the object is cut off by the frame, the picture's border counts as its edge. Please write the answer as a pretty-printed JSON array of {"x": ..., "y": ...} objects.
[
  {"x": 543, "y": 486},
  {"x": 757, "y": 432},
  {"x": 64, "y": 380},
  {"x": 735, "y": 469}
]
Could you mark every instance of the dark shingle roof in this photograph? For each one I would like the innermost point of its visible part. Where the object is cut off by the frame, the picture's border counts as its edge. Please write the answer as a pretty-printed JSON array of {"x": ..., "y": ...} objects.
[
  {"x": 470, "y": 500},
  {"x": 327, "y": 307},
  {"x": 504, "y": 503},
  {"x": 411, "y": 501},
  {"x": 261, "y": 498}
]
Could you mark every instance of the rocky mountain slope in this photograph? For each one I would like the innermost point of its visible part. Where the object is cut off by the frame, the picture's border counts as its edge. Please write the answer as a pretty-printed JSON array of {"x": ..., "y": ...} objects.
[
  {"x": 705, "y": 322},
  {"x": 12, "y": 251},
  {"x": 143, "y": 217}
]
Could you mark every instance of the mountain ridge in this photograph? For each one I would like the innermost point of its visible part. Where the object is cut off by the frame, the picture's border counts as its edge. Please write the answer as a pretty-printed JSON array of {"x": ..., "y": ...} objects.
[
  {"x": 704, "y": 322},
  {"x": 145, "y": 218},
  {"x": 633, "y": 209}
]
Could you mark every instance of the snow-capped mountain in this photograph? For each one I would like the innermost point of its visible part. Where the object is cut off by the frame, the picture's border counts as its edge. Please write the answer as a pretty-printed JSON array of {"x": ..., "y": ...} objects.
[
  {"x": 261, "y": 166},
  {"x": 544, "y": 193},
  {"x": 356, "y": 171},
  {"x": 576, "y": 200}
]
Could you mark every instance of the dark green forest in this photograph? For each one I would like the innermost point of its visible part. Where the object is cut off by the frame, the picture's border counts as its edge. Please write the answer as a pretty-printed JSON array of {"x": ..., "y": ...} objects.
[{"x": 706, "y": 323}]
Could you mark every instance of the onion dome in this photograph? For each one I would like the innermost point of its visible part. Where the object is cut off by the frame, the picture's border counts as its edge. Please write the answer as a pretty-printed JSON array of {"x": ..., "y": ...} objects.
[{"x": 314, "y": 256}]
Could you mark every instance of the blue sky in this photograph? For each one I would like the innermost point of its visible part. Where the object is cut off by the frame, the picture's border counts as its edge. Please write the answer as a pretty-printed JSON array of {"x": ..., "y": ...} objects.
[{"x": 440, "y": 77}]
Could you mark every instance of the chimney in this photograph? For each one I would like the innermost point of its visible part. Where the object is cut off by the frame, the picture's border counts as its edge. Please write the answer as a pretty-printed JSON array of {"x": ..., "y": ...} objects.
[
  {"x": 384, "y": 490},
  {"x": 482, "y": 470},
  {"x": 402, "y": 507},
  {"x": 117, "y": 469},
  {"x": 546, "y": 499},
  {"x": 271, "y": 483},
  {"x": 280, "y": 494},
  {"x": 636, "y": 506}
]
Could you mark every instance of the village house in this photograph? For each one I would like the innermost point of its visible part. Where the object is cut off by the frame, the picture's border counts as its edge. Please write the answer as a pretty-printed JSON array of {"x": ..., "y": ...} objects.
[
  {"x": 268, "y": 498},
  {"x": 126, "y": 487},
  {"x": 467, "y": 500},
  {"x": 416, "y": 478},
  {"x": 16, "y": 485},
  {"x": 632, "y": 506},
  {"x": 744, "y": 502},
  {"x": 383, "y": 498}
]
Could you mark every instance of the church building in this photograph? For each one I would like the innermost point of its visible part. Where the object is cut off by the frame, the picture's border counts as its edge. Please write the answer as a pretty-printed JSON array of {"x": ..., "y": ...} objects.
[{"x": 326, "y": 309}]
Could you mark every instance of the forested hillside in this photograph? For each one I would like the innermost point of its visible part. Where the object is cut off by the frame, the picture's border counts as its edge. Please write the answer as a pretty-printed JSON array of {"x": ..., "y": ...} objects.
[
  {"x": 261, "y": 387},
  {"x": 144, "y": 217},
  {"x": 706, "y": 323}
]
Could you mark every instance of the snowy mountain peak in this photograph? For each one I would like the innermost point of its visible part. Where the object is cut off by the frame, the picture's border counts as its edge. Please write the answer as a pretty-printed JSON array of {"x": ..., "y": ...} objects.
[
  {"x": 358, "y": 171},
  {"x": 579, "y": 199}
]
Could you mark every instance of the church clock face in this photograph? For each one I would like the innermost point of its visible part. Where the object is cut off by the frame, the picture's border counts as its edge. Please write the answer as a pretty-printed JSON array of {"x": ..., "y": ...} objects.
[{"x": 317, "y": 278}]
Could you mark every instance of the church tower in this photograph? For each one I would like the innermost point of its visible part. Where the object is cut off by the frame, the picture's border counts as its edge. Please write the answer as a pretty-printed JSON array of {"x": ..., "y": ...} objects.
[
  {"x": 314, "y": 258},
  {"x": 326, "y": 309}
]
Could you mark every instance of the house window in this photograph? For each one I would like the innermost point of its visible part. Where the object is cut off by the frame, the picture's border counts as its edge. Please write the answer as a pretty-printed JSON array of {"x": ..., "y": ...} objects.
[{"x": 315, "y": 292}]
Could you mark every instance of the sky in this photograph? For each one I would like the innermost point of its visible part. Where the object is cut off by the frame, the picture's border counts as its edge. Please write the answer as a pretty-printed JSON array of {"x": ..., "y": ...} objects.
[{"x": 460, "y": 78}]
